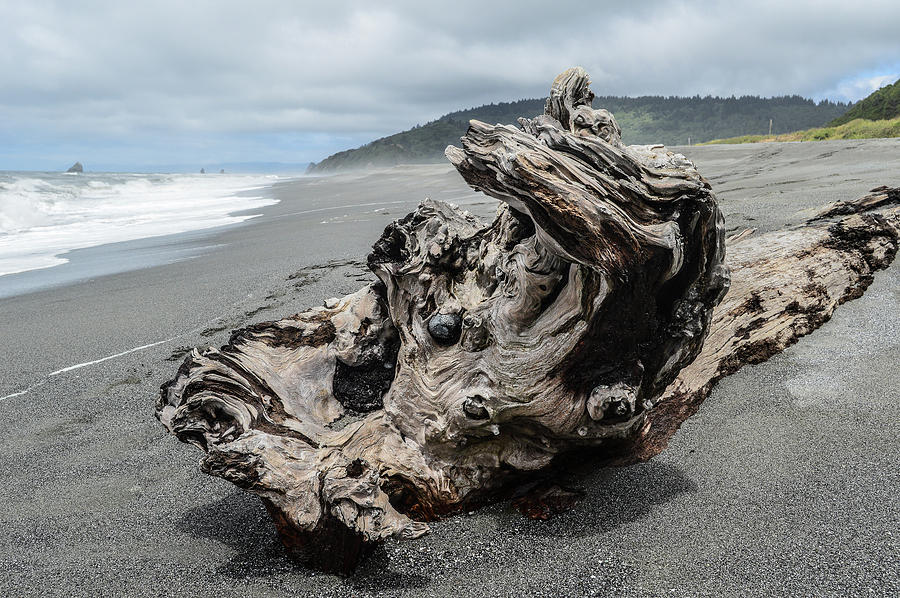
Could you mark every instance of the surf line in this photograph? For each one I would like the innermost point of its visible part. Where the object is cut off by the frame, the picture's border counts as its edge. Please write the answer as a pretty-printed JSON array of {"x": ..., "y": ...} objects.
[
  {"x": 87, "y": 363},
  {"x": 108, "y": 357},
  {"x": 23, "y": 392}
]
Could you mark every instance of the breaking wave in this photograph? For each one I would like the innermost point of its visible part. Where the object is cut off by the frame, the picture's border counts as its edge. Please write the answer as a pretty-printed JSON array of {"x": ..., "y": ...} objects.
[{"x": 42, "y": 216}]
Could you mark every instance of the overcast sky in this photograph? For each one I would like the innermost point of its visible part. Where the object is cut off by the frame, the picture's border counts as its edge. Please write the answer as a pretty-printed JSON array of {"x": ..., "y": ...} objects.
[{"x": 126, "y": 84}]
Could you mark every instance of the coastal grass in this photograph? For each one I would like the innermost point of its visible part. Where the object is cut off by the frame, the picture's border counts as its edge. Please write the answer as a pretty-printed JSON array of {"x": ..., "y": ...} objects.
[{"x": 858, "y": 128}]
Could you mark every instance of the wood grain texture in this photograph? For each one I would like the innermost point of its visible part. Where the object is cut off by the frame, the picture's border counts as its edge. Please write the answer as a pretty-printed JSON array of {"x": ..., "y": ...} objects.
[{"x": 576, "y": 320}]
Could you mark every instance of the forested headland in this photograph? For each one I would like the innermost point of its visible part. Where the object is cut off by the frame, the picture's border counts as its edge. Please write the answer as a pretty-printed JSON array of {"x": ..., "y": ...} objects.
[{"x": 670, "y": 120}]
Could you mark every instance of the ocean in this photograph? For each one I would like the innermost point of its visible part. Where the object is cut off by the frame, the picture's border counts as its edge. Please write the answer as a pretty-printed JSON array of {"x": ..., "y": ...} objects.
[{"x": 45, "y": 215}]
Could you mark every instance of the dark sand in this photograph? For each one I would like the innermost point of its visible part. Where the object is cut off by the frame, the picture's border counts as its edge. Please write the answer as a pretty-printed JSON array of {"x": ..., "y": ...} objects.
[{"x": 786, "y": 483}]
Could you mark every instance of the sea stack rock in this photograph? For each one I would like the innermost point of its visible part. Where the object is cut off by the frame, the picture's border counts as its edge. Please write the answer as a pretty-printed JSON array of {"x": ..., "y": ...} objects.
[
  {"x": 202, "y": 171},
  {"x": 76, "y": 167}
]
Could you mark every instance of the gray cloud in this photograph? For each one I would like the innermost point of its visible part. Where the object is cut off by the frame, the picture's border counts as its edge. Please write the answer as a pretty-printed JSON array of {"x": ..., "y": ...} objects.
[{"x": 350, "y": 71}]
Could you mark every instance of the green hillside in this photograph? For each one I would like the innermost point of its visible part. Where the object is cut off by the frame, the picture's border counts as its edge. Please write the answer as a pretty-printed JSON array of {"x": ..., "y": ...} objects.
[
  {"x": 858, "y": 128},
  {"x": 648, "y": 119},
  {"x": 881, "y": 104}
]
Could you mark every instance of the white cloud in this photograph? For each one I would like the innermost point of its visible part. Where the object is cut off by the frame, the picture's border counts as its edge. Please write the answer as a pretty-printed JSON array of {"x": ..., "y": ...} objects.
[
  {"x": 856, "y": 88},
  {"x": 131, "y": 70}
]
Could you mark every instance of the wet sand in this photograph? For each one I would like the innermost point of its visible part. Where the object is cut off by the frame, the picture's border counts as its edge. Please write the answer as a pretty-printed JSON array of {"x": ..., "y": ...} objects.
[{"x": 786, "y": 482}]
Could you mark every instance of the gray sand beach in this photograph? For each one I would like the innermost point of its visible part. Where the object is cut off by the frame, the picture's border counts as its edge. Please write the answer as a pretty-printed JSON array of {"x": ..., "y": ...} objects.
[{"x": 787, "y": 482}]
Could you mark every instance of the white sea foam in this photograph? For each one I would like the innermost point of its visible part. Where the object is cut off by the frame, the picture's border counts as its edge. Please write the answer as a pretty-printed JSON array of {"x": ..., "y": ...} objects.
[{"x": 42, "y": 216}]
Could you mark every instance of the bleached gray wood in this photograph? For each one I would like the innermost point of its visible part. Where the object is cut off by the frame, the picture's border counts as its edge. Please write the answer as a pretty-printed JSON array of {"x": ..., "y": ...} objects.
[{"x": 573, "y": 321}]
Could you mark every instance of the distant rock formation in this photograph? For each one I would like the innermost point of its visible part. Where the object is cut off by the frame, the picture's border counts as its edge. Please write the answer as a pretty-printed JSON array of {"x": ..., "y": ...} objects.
[
  {"x": 202, "y": 171},
  {"x": 221, "y": 171},
  {"x": 76, "y": 167}
]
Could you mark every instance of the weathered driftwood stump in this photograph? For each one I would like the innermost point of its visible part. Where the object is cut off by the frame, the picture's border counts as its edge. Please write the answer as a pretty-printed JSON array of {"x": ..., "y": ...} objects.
[{"x": 573, "y": 321}]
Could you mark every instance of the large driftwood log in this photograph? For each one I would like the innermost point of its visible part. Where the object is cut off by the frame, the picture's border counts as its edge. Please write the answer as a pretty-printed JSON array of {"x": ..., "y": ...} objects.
[{"x": 573, "y": 321}]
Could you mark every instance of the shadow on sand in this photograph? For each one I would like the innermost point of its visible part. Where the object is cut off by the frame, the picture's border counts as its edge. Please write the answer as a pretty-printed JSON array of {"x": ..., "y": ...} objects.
[
  {"x": 613, "y": 497},
  {"x": 240, "y": 522}
]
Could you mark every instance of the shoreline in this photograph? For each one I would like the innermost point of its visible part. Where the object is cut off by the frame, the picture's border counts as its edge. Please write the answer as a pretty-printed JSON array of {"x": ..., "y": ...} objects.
[
  {"x": 84, "y": 263},
  {"x": 119, "y": 257}
]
